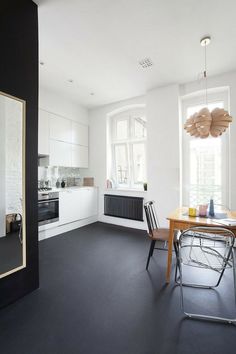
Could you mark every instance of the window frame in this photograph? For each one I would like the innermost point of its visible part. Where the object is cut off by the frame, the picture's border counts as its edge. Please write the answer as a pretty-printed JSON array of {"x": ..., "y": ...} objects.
[
  {"x": 128, "y": 115},
  {"x": 214, "y": 96},
  {"x": 114, "y": 164},
  {"x": 131, "y": 146}
]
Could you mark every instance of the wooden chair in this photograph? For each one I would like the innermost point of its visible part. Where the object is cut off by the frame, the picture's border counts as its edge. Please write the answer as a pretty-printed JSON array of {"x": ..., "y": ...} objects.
[{"x": 154, "y": 231}]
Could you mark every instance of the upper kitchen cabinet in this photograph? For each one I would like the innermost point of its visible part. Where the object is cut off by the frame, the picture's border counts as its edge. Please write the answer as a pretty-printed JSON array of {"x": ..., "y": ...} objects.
[
  {"x": 43, "y": 138},
  {"x": 60, "y": 153},
  {"x": 60, "y": 128},
  {"x": 79, "y": 134},
  {"x": 79, "y": 157},
  {"x": 63, "y": 140}
]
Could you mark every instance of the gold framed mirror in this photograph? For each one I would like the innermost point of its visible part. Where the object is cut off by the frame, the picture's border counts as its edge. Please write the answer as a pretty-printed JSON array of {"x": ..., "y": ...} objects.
[{"x": 12, "y": 185}]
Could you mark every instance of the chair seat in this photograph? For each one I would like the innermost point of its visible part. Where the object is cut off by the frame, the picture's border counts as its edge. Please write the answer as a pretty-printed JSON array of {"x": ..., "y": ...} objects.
[{"x": 161, "y": 234}]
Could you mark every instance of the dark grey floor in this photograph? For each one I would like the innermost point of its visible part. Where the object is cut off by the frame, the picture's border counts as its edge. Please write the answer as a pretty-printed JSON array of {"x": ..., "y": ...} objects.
[{"x": 96, "y": 298}]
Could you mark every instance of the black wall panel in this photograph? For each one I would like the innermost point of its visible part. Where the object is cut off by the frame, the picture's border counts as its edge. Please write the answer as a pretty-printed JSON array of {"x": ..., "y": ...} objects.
[{"x": 19, "y": 77}]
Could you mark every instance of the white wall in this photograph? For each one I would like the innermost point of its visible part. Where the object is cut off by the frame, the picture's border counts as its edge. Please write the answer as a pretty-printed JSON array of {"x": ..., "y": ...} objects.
[
  {"x": 60, "y": 105},
  {"x": 11, "y": 159},
  {"x": 98, "y": 156},
  {"x": 163, "y": 145},
  {"x": 13, "y": 111},
  {"x": 163, "y": 150},
  {"x": 2, "y": 168},
  {"x": 227, "y": 79}
]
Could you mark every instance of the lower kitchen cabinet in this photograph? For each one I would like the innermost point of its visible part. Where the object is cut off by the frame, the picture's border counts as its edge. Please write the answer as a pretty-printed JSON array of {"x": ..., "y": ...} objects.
[{"x": 77, "y": 204}]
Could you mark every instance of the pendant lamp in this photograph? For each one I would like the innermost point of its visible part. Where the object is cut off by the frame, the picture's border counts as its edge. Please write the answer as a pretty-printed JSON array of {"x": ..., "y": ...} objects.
[{"x": 204, "y": 123}]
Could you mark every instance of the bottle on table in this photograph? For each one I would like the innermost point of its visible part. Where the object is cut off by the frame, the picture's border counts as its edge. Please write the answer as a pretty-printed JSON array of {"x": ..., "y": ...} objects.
[{"x": 211, "y": 208}]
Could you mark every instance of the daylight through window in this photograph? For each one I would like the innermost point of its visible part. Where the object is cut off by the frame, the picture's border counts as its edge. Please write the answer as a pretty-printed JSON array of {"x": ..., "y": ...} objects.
[
  {"x": 205, "y": 167},
  {"x": 128, "y": 133}
]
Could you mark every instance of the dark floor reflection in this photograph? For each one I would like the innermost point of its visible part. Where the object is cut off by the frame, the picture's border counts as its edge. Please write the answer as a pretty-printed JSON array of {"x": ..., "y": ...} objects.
[{"x": 10, "y": 252}]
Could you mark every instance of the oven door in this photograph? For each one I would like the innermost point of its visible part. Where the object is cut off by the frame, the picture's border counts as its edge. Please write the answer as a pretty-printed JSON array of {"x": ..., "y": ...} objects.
[{"x": 48, "y": 211}]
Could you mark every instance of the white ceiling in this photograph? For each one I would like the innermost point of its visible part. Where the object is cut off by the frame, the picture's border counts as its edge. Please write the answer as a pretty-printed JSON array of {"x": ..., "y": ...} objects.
[{"x": 98, "y": 44}]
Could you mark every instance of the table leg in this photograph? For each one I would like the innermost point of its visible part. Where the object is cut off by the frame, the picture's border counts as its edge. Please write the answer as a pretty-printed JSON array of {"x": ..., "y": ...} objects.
[{"x": 170, "y": 245}]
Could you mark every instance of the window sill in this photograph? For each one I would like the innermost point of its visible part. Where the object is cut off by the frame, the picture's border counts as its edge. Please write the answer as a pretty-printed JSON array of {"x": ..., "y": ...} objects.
[{"x": 125, "y": 190}]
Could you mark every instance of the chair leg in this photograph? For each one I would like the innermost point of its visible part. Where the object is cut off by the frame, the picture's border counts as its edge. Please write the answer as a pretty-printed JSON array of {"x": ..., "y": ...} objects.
[
  {"x": 150, "y": 252},
  {"x": 176, "y": 247},
  {"x": 153, "y": 246}
]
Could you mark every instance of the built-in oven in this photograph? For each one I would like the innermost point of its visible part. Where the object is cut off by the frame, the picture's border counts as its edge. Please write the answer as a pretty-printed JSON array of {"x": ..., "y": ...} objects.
[{"x": 48, "y": 207}]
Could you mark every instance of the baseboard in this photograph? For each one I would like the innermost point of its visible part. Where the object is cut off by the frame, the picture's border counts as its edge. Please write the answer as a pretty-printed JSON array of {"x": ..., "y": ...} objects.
[
  {"x": 141, "y": 225},
  {"x": 44, "y": 234}
]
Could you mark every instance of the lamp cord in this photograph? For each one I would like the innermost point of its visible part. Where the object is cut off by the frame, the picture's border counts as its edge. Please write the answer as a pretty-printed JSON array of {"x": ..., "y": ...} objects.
[{"x": 205, "y": 74}]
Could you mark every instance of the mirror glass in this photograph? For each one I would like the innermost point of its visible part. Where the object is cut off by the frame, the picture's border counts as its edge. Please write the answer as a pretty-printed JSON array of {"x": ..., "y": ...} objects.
[{"x": 12, "y": 200}]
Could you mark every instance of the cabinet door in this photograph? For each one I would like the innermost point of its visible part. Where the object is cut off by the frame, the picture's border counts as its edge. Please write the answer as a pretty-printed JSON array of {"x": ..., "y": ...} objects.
[
  {"x": 79, "y": 134},
  {"x": 43, "y": 133},
  {"x": 69, "y": 206},
  {"x": 79, "y": 156},
  {"x": 88, "y": 198},
  {"x": 77, "y": 205},
  {"x": 60, "y": 153},
  {"x": 60, "y": 128}
]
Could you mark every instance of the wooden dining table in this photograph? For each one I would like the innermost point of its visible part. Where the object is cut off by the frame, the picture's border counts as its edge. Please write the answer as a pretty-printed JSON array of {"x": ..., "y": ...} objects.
[{"x": 179, "y": 220}]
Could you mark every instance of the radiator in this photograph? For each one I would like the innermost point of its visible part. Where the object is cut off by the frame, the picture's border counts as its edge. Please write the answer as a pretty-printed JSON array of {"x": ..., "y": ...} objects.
[{"x": 123, "y": 207}]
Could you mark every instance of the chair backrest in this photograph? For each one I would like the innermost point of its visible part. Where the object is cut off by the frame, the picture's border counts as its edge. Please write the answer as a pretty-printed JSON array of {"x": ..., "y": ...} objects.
[
  {"x": 206, "y": 247},
  {"x": 222, "y": 207},
  {"x": 151, "y": 216}
]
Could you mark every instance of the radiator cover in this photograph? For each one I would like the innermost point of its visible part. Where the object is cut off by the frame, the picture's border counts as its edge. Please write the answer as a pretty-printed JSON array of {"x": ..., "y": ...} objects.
[{"x": 123, "y": 207}]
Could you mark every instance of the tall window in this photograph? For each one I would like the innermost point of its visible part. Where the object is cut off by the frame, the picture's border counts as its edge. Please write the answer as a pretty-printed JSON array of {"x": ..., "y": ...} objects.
[
  {"x": 128, "y": 133},
  {"x": 205, "y": 161}
]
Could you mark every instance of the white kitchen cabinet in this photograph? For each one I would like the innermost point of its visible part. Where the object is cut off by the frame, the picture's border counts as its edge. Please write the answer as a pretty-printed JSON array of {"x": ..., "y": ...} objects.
[
  {"x": 77, "y": 204},
  {"x": 60, "y": 153},
  {"x": 79, "y": 134},
  {"x": 60, "y": 128},
  {"x": 69, "y": 210},
  {"x": 43, "y": 133},
  {"x": 63, "y": 140},
  {"x": 79, "y": 156},
  {"x": 88, "y": 198}
]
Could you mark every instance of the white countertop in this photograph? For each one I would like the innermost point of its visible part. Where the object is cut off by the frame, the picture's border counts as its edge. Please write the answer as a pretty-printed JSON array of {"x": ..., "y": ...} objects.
[{"x": 67, "y": 189}]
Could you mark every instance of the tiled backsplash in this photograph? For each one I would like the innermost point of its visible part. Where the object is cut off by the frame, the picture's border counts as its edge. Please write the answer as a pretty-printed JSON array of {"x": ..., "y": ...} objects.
[{"x": 54, "y": 174}]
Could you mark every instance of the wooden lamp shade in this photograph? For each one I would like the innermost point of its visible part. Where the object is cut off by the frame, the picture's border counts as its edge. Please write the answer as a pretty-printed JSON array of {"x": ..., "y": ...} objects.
[{"x": 204, "y": 123}]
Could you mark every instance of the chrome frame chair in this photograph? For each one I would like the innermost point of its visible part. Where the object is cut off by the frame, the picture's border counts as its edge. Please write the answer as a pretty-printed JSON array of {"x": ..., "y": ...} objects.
[
  {"x": 206, "y": 248},
  {"x": 154, "y": 231}
]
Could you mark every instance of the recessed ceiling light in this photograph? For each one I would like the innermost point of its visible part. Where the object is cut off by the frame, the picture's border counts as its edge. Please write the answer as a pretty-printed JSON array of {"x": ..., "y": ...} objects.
[
  {"x": 70, "y": 80},
  {"x": 145, "y": 63}
]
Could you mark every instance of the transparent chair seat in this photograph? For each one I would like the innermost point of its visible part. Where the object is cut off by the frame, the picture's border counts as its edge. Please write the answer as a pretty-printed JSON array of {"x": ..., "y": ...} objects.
[
  {"x": 210, "y": 249},
  {"x": 207, "y": 251}
]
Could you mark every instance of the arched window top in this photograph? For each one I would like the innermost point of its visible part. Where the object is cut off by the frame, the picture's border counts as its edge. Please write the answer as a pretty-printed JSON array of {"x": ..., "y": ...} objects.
[{"x": 135, "y": 108}]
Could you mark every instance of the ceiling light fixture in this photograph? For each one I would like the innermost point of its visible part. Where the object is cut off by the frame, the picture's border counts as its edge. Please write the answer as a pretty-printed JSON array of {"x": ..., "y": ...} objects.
[{"x": 205, "y": 123}]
